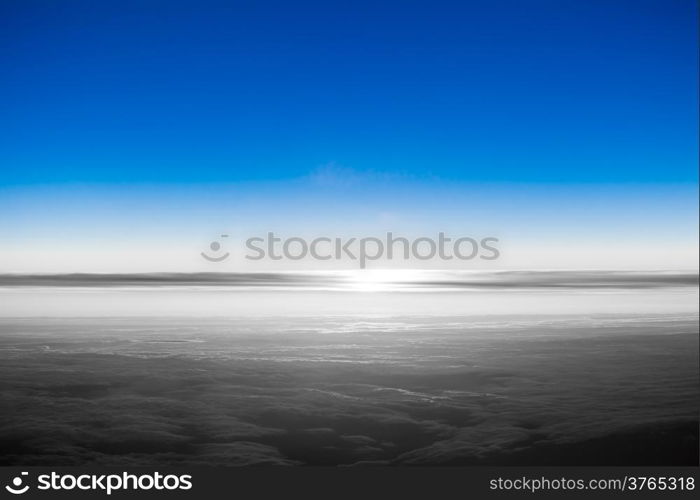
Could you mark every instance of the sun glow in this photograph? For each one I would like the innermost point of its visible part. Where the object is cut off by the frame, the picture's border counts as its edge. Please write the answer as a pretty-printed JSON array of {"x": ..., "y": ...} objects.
[{"x": 381, "y": 280}]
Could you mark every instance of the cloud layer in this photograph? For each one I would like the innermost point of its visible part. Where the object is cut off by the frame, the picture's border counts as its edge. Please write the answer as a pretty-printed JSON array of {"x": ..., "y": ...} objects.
[{"x": 343, "y": 392}]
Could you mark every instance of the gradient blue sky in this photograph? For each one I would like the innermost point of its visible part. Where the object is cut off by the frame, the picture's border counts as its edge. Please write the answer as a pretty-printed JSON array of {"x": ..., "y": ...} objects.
[{"x": 547, "y": 123}]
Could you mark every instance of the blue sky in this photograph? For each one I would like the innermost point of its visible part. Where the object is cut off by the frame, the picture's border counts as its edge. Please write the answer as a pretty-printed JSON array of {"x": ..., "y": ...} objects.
[{"x": 510, "y": 116}]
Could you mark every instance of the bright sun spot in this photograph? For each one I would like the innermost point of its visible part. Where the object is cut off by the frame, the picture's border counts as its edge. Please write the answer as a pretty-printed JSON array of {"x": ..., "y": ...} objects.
[{"x": 379, "y": 280}]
